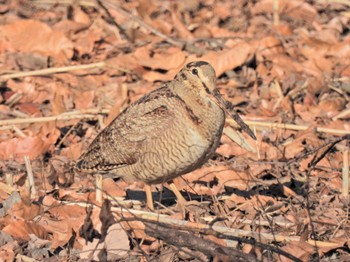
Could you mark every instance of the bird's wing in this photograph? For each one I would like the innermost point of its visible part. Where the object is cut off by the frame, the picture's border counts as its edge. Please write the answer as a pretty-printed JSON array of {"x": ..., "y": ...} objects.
[{"x": 121, "y": 142}]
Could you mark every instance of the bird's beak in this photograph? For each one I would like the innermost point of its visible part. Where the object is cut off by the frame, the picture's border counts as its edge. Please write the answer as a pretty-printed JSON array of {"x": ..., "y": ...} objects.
[{"x": 228, "y": 108}]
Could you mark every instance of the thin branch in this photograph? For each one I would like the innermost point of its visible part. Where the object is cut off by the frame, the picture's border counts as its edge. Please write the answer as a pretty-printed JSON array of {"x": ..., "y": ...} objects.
[
  {"x": 343, "y": 2},
  {"x": 87, "y": 3},
  {"x": 92, "y": 114},
  {"x": 82, "y": 114},
  {"x": 53, "y": 70},
  {"x": 317, "y": 157},
  {"x": 291, "y": 127},
  {"x": 345, "y": 173},
  {"x": 205, "y": 246},
  {"x": 276, "y": 16},
  {"x": 199, "y": 227},
  {"x": 30, "y": 175}
]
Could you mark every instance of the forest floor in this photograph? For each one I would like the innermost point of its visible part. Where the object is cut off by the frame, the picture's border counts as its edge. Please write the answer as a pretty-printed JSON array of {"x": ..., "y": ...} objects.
[{"x": 67, "y": 68}]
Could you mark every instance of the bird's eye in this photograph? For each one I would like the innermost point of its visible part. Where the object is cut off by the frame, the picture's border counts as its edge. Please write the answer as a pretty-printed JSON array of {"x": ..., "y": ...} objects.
[{"x": 194, "y": 71}]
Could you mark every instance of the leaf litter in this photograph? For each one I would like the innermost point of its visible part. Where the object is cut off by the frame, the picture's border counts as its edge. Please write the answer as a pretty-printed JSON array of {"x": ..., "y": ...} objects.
[{"x": 286, "y": 70}]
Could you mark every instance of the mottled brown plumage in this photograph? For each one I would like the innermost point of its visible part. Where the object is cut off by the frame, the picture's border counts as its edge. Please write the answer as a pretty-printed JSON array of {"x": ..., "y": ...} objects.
[{"x": 165, "y": 134}]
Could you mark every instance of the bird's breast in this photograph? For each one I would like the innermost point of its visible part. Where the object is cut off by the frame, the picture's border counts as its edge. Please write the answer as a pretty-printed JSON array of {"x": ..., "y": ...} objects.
[{"x": 211, "y": 118}]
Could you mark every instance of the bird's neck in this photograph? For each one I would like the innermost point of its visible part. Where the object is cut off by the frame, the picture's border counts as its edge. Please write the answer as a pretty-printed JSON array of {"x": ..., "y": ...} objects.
[{"x": 201, "y": 103}]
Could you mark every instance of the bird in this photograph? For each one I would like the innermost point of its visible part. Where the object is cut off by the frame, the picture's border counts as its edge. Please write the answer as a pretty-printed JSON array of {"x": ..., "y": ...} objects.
[{"x": 167, "y": 133}]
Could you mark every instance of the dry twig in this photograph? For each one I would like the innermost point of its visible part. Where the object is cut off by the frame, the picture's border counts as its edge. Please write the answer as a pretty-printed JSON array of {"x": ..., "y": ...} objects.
[
  {"x": 345, "y": 172},
  {"x": 92, "y": 114},
  {"x": 53, "y": 70},
  {"x": 30, "y": 175},
  {"x": 184, "y": 239},
  {"x": 202, "y": 228}
]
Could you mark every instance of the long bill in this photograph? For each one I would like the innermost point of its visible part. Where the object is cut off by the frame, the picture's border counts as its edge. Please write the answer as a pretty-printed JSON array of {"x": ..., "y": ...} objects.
[{"x": 228, "y": 108}]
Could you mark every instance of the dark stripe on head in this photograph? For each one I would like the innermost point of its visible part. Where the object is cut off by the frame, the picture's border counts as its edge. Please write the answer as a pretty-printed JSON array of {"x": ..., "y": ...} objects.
[
  {"x": 184, "y": 77},
  {"x": 206, "y": 88},
  {"x": 197, "y": 63}
]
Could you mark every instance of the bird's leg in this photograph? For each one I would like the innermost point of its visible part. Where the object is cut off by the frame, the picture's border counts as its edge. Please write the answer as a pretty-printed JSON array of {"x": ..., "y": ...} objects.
[
  {"x": 180, "y": 199},
  {"x": 149, "y": 196}
]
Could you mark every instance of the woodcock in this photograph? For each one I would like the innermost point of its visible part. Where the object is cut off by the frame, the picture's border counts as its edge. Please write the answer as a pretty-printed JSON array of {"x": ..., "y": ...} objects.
[{"x": 167, "y": 133}]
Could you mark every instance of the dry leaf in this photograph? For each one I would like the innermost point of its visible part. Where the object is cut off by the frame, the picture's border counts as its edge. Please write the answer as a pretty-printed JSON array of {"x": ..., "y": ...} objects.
[
  {"x": 34, "y": 36},
  {"x": 116, "y": 245},
  {"x": 294, "y": 71},
  {"x": 21, "y": 229},
  {"x": 296, "y": 9},
  {"x": 17, "y": 148},
  {"x": 173, "y": 59},
  {"x": 229, "y": 59}
]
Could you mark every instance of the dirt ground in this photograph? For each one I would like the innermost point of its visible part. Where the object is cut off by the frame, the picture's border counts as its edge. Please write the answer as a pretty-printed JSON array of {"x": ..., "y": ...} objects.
[{"x": 68, "y": 68}]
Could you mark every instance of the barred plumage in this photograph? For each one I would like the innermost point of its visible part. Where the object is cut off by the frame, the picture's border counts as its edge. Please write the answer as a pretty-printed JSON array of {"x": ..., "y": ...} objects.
[{"x": 165, "y": 134}]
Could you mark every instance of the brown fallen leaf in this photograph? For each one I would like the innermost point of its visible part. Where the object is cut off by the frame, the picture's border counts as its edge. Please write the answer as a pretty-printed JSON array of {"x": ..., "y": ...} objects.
[
  {"x": 182, "y": 30},
  {"x": 229, "y": 59},
  {"x": 301, "y": 250},
  {"x": 230, "y": 178},
  {"x": 114, "y": 189},
  {"x": 25, "y": 210},
  {"x": 30, "y": 109},
  {"x": 332, "y": 104},
  {"x": 21, "y": 229},
  {"x": 268, "y": 47},
  {"x": 174, "y": 58},
  {"x": 17, "y": 148},
  {"x": 297, "y": 146},
  {"x": 7, "y": 251},
  {"x": 116, "y": 245},
  {"x": 296, "y": 9},
  {"x": 34, "y": 36}
]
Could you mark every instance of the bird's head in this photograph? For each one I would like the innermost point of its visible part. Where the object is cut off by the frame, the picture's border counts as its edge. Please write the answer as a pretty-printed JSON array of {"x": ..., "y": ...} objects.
[{"x": 200, "y": 77}]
